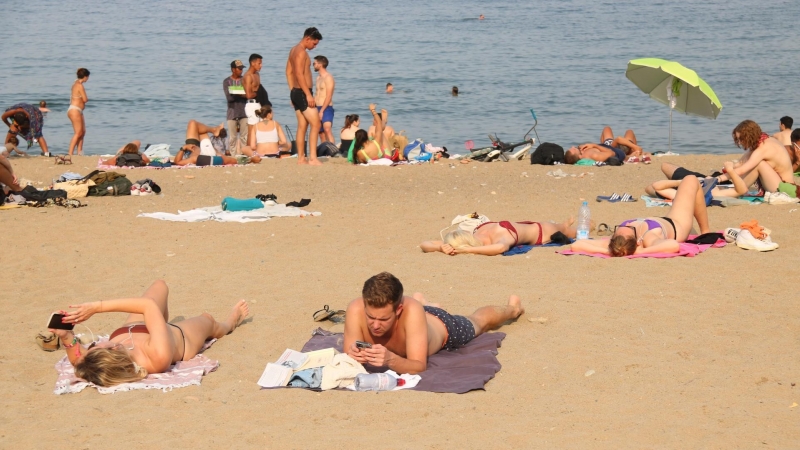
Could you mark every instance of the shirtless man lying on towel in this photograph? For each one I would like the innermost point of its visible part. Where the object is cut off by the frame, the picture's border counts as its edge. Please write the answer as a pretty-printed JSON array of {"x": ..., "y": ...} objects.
[{"x": 404, "y": 331}]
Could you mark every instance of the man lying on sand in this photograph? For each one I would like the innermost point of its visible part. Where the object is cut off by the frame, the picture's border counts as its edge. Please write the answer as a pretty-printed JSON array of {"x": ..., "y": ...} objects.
[
  {"x": 404, "y": 331},
  {"x": 675, "y": 174},
  {"x": 620, "y": 147}
]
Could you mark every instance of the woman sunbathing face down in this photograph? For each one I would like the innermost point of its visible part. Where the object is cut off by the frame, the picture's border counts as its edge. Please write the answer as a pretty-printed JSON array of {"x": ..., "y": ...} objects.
[
  {"x": 146, "y": 343},
  {"x": 495, "y": 238},
  {"x": 656, "y": 234}
]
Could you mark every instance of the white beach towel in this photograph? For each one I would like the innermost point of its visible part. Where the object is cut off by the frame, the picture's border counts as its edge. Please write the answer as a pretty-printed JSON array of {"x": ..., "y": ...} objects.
[{"x": 216, "y": 213}]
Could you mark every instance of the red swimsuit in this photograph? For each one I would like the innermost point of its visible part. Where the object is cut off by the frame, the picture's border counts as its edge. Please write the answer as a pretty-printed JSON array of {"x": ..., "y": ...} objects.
[{"x": 508, "y": 226}]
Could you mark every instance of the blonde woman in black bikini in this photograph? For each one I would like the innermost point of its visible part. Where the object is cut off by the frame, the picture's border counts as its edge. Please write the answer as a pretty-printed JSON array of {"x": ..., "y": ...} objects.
[
  {"x": 77, "y": 102},
  {"x": 495, "y": 238},
  {"x": 146, "y": 343},
  {"x": 266, "y": 138}
]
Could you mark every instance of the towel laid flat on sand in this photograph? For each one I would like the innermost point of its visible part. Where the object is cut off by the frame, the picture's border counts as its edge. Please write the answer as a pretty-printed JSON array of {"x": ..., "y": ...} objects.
[
  {"x": 457, "y": 371},
  {"x": 181, "y": 374},
  {"x": 217, "y": 213},
  {"x": 685, "y": 250},
  {"x": 522, "y": 249}
]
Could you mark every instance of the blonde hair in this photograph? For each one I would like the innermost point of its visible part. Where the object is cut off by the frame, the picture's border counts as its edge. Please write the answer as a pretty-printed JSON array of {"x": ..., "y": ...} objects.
[
  {"x": 461, "y": 239},
  {"x": 621, "y": 246},
  {"x": 109, "y": 367}
]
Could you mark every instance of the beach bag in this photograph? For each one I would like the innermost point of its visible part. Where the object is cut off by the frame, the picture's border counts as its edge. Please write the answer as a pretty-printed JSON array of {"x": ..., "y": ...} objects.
[
  {"x": 157, "y": 152},
  {"x": 100, "y": 176},
  {"x": 75, "y": 188},
  {"x": 467, "y": 222},
  {"x": 547, "y": 154},
  {"x": 118, "y": 186},
  {"x": 413, "y": 150},
  {"x": 130, "y": 160},
  {"x": 327, "y": 149}
]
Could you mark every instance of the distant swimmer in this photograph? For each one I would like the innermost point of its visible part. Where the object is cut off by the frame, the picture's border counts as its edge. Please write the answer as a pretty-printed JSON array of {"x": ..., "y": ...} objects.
[
  {"x": 298, "y": 76},
  {"x": 389, "y": 88},
  {"x": 481, "y": 17},
  {"x": 324, "y": 97},
  {"x": 43, "y": 107},
  {"x": 77, "y": 102},
  {"x": 454, "y": 92}
]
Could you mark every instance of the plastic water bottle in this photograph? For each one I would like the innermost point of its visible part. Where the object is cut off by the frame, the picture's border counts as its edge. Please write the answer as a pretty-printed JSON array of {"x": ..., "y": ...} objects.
[
  {"x": 584, "y": 221},
  {"x": 377, "y": 382}
]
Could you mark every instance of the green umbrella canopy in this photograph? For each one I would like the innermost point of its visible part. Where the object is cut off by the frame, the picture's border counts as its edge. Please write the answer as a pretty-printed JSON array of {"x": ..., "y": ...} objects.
[{"x": 693, "y": 95}]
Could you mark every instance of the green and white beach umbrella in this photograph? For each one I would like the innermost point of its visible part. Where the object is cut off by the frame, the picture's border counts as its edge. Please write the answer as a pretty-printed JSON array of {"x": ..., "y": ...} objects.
[{"x": 672, "y": 84}]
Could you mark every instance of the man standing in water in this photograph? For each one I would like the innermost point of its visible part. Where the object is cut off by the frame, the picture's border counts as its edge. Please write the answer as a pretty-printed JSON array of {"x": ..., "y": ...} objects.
[
  {"x": 324, "y": 97},
  {"x": 298, "y": 76}
]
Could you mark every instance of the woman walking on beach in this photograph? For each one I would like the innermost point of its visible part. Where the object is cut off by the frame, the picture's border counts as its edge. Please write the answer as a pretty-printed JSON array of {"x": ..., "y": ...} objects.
[
  {"x": 77, "y": 102},
  {"x": 656, "y": 234},
  {"x": 146, "y": 343},
  {"x": 496, "y": 238}
]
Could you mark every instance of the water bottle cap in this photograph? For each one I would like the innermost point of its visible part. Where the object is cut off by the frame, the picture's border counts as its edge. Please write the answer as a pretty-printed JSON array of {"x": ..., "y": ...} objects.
[{"x": 585, "y": 203}]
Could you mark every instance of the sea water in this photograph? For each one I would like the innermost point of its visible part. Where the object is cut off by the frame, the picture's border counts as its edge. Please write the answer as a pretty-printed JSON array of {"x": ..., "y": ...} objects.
[{"x": 155, "y": 65}]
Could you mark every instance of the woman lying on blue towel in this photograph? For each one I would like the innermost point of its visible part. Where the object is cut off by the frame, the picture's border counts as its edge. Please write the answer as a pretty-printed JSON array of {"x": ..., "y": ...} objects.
[
  {"x": 656, "y": 234},
  {"x": 495, "y": 238}
]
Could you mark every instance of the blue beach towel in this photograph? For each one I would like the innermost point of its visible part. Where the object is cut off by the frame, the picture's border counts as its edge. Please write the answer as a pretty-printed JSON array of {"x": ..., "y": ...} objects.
[{"x": 521, "y": 249}]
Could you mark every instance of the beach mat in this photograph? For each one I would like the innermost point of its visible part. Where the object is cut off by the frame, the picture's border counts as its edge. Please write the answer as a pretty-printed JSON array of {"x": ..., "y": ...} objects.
[
  {"x": 685, "y": 249},
  {"x": 180, "y": 374},
  {"x": 458, "y": 371}
]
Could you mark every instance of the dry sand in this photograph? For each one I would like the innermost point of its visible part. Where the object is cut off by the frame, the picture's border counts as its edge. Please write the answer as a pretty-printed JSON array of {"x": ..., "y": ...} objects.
[{"x": 686, "y": 352}]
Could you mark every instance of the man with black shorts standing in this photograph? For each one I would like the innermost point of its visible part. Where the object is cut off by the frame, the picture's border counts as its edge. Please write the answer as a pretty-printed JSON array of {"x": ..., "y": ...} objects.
[{"x": 298, "y": 76}]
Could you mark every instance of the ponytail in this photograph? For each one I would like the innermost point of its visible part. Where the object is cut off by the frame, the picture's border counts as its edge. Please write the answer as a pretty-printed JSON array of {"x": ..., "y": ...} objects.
[{"x": 349, "y": 120}]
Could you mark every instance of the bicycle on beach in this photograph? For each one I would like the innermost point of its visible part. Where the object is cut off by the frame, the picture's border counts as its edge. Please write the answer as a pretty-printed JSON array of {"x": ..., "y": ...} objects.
[{"x": 499, "y": 149}]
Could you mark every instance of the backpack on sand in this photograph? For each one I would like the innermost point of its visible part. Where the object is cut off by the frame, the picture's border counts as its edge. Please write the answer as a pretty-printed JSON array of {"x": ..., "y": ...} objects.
[
  {"x": 547, "y": 154},
  {"x": 118, "y": 186}
]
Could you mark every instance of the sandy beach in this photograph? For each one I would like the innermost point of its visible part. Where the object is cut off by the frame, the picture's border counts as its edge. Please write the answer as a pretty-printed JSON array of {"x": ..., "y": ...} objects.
[{"x": 685, "y": 352}]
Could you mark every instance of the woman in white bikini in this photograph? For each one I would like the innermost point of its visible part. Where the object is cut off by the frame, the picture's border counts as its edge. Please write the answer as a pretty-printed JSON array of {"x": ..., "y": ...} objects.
[
  {"x": 146, "y": 343},
  {"x": 266, "y": 138},
  {"x": 77, "y": 102}
]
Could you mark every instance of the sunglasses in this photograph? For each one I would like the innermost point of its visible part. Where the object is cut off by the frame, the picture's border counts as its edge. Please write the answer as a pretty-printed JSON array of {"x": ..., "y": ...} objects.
[{"x": 635, "y": 236}]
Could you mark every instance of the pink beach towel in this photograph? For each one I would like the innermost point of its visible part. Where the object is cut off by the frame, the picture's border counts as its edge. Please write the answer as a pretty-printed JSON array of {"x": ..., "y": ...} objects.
[
  {"x": 684, "y": 250},
  {"x": 181, "y": 374}
]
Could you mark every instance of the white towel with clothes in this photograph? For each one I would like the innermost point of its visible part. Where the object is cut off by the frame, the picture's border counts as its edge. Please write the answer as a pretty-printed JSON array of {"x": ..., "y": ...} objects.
[{"x": 216, "y": 213}]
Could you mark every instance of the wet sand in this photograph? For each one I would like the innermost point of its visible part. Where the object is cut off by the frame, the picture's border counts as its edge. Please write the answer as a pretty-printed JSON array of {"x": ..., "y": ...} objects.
[{"x": 686, "y": 352}]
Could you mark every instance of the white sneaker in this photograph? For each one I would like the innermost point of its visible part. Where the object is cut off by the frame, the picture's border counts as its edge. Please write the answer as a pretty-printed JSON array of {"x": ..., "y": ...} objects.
[
  {"x": 731, "y": 234},
  {"x": 747, "y": 241},
  {"x": 779, "y": 198},
  {"x": 136, "y": 189}
]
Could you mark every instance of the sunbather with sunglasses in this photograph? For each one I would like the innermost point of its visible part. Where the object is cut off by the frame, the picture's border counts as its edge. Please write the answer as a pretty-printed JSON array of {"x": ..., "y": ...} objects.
[
  {"x": 620, "y": 147},
  {"x": 146, "y": 343},
  {"x": 656, "y": 234},
  {"x": 495, "y": 238}
]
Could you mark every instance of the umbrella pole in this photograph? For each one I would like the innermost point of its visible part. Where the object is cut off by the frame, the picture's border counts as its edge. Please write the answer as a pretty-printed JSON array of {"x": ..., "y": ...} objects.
[{"x": 670, "y": 129}]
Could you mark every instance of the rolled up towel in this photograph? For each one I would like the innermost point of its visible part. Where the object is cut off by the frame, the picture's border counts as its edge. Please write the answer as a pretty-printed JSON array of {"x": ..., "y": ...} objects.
[{"x": 241, "y": 204}]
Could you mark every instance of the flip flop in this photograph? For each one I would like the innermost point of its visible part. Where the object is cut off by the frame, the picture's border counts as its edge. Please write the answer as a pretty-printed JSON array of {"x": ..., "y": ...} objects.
[
  {"x": 615, "y": 198},
  {"x": 335, "y": 316},
  {"x": 603, "y": 230}
]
